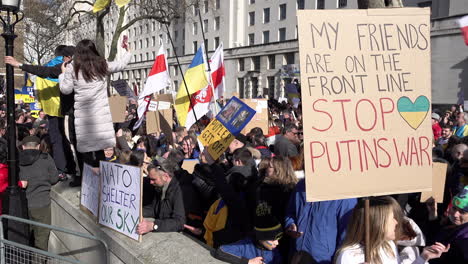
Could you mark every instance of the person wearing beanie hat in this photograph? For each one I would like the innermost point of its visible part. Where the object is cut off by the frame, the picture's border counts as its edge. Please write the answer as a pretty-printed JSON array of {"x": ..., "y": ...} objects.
[
  {"x": 436, "y": 129},
  {"x": 37, "y": 175},
  {"x": 455, "y": 232},
  {"x": 262, "y": 248}
]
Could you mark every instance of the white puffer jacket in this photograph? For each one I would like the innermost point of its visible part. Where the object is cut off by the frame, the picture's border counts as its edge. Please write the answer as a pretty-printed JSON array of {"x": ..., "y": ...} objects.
[{"x": 93, "y": 120}]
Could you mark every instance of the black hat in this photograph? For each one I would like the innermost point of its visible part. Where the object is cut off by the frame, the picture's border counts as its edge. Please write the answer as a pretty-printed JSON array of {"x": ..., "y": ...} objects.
[
  {"x": 31, "y": 139},
  {"x": 242, "y": 138},
  {"x": 267, "y": 227}
]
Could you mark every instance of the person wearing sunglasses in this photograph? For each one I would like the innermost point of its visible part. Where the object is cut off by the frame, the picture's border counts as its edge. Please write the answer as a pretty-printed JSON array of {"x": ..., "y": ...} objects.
[
  {"x": 168, "y": 205},
  {"x": 259, "y": 249}
]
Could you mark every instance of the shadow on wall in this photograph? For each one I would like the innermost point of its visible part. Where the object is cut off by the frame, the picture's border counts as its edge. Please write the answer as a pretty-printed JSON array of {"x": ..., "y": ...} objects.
[{"x": 463, "y": 80}]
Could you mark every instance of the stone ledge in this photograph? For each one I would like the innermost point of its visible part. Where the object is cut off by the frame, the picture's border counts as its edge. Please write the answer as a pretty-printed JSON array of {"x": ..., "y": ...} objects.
[{"x": 154, "y": 248}]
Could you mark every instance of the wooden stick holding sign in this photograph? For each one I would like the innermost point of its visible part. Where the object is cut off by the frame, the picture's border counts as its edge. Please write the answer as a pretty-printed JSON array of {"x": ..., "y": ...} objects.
[{"x": 121, "y": 198}]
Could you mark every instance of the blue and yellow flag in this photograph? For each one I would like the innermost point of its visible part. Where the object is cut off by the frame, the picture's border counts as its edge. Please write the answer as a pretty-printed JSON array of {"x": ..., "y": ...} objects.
[
  {"x": 196, "y": 79},
  {"x": 48, "y": 91}
]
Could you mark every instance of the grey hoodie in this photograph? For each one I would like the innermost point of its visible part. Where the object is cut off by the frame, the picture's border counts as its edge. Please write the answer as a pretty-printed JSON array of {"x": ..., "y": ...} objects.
[{"x": 39, "y": 170}]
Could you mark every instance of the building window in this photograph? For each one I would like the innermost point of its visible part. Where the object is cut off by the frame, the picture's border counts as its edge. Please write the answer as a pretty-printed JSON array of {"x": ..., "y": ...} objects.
[
  {"x": 140, "y": 43},
  {"x": 205, "y": 25},
  {"x": 342, "y": 3},
  {"x": 135, "y": 58},
  {"x": 251, "y": 39},
  {"x": 216, "y": 42},
  {"x": 217, "y": 4},
  {"x": 195, "y": 28},
  {"x": 141, "y": 29},
  {"x": 147, "y": 28},
  {"x": 266, "y": 15},
  {"x": 271, "y": 61},
  {"x": 147, "y": 43},
  {"x": 206, "y": 44},
  {"x": 241, "y": 63},
  {"x": 183, "y": 49},
  {"x": 176, "y": 35},
  {"x": 147, "y": 56},
  {"x": 256, "y": 63},
  {"x": 195, "y": 46},
  {"x": 183, "y": 34},
  {"x": 282, "y": 34},
  {"x": 266, "y": 37},
  {"x": 300, "y": 4},
  {"x": 153, "y": 54},
  {"x": 168, "y": 52},
  {"x": 167, "y": 38},
  {"x": 282, "y": 12},
  {"x": 288, "y": 58},
  {"x": 271, "y": 86},
  {"x": 205, "y": 6},
  {"x": 251, "y": 2},
  {"x": 153, "y": 26},
  {"x": 153, "y": 41},
  {"x": 194, "y": 10},
  {"x": 320, "y": 4},
  {"x": 160, "y": 39},
  {"x": 141, "y": 57},
  {"x": 176, "y": 71},
  {"x": 251, "y": 18},
  {"x": 216, "y": 23}
]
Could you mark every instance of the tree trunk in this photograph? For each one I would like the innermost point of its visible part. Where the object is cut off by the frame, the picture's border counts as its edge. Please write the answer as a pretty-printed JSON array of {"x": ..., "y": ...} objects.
[{"x": 116, "y": 35}]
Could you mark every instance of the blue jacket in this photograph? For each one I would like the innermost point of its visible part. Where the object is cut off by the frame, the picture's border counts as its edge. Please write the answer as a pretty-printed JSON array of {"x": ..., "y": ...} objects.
[
  {"x": 323, "y": 224},
  {"x": 243, "y": 250}
]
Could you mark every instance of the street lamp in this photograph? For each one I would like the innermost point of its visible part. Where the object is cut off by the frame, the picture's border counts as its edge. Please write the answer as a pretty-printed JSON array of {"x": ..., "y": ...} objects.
[{"x": 14, "y": 202}]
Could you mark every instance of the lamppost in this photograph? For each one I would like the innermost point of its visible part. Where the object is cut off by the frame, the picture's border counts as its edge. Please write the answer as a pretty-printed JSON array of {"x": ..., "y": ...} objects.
[{"x": 14, "y": 202}]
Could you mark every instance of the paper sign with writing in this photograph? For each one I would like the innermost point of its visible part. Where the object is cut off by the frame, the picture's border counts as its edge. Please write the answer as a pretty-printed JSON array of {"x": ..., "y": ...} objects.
[
  {"x": 159, "y": 105},
  {"x": 189, "y": 164},
  {"x": 216, "y": 137},
  {"x": 120, "y": 202},
  {"x": 439, "y": 172},
  {"x": 366, "y": 93},
  {"x": 235, "y": 115},
  {"x": 90, "y": 190},
  {"x": 121, "y": 86}
]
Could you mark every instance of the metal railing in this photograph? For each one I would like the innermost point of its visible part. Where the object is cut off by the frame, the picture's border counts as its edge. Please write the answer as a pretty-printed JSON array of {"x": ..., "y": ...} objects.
[{"x": 16, "y": 253}]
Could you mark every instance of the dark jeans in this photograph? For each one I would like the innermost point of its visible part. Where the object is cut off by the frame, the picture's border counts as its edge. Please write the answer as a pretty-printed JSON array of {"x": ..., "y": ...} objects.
[
  {"x": 61, "y": 150},
  {"x": 92, "y": 158},
  {"x": 72, "y": 135},
  {"x": 41, "y": 234}
]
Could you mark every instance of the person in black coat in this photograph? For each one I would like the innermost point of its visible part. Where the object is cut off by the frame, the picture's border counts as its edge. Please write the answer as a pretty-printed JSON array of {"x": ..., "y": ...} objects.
[{"x": 168, "y": 204}]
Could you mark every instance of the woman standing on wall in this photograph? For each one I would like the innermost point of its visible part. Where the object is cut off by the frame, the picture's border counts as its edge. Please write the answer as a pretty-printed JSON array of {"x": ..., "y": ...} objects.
[{"x": 86, "y": 75}]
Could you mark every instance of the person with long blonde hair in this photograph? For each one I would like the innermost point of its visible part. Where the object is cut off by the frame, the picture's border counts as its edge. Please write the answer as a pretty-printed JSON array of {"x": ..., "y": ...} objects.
[{"x": 383, "y": 226}]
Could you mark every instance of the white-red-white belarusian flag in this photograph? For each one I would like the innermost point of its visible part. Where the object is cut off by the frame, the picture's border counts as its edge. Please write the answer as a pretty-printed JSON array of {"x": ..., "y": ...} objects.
[
  {"x": 463, "y": 22},
  {"x": 203, "y": 99},
  {"x": 157, "y": 80}
]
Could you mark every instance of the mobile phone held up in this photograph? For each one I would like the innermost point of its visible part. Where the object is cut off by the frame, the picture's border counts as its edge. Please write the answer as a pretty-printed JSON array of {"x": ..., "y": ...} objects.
[{"x": 125, "y": 42}]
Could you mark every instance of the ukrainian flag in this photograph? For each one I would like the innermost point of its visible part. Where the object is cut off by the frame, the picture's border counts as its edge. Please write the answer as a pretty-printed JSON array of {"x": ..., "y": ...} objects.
[
  {"x": 48, "y": 91},
  {"x": 196, "y": 79}
]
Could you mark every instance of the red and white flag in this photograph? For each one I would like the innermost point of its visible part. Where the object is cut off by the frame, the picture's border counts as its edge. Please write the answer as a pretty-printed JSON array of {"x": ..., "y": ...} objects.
[
  {"x": 203, "y": 99},
  {"x": 463, "y": 22},
  {"x": 157, "y": 80}
]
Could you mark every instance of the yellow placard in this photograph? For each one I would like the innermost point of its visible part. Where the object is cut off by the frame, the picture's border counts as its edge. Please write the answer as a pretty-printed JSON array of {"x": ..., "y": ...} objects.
[{"x": 216, "y": 137}]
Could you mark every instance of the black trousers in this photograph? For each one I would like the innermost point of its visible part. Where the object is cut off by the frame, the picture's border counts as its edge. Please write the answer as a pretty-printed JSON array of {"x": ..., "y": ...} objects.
[
  {"x": 61, "y": 150},
  {"x": 92, "y": 158},
  {"x": 72, "y": 135}
]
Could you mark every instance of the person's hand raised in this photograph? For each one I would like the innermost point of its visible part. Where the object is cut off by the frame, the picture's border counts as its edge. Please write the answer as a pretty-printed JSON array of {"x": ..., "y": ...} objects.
[{"x": 12, "y": 61}]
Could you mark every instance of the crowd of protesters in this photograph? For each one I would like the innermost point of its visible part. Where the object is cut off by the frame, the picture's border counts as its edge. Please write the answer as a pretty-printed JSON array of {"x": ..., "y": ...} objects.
[{"x": 249, "y": 204}]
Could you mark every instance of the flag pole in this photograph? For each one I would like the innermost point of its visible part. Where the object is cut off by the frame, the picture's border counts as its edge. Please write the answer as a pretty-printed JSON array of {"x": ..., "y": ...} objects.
[
  {"x": 208, "y": 62},
  {"x": 183, "y": 77}
]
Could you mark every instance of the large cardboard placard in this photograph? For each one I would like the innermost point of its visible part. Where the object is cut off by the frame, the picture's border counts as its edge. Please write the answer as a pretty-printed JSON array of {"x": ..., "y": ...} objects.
[
  {"x": 90, "y": 186},
  {"x": 160, "y": 121},
  {"x": 118, "y": 105},
  {"x": 216, "y": 137},
  {"x": 366, "y": 93},
  {"x": 120, "y": 202},
  {"x": 260, "y": 119},
  {"x": 439, "y": 172},
  {"x": 189, "y": 165}
]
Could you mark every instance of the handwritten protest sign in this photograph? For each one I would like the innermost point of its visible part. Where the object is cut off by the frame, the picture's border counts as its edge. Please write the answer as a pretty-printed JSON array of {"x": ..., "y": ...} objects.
[
  {"x": 120, "y": 201},
  {"x": 439, "y": 172},
  {"x": 89, "y": 201},
  {"x": 216, "y": 137},
  {"x": 121, "y": 86},
  {"x": 235, "y": 115},
  {"x": 159, "y": 105},
  {"x": 260, "y": 119},
  {"x": 366, "y": 89},
  {"x": 160, "y": 121}
]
